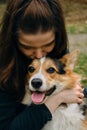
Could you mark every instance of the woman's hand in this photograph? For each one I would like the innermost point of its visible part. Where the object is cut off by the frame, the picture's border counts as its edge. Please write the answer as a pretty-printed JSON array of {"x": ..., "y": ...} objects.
[{"x": 74, "y": 95}]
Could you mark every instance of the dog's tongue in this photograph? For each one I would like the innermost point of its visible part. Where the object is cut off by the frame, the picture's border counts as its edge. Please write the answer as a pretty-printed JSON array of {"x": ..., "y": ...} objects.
[{"x": 37, "y": 97}]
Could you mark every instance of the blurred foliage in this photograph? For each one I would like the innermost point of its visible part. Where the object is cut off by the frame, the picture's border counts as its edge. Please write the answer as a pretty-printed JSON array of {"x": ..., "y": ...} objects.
[
  {"x": 74, "y": 10},
  {"x": 76, "y": 28},
  {"x": 81, "y": 68}
]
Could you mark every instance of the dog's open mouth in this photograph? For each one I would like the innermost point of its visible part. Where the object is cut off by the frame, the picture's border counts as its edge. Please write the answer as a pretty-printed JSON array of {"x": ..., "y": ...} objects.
[{"x": 38, "y": 97}]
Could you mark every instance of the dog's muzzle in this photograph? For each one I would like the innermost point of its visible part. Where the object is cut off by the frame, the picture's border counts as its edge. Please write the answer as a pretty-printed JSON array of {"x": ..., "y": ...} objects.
[{"x": 37, "y": 95}]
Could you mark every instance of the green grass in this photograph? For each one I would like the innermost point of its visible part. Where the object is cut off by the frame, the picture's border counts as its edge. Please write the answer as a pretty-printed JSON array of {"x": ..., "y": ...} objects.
[
  {"x": 81, "y": 68},
  {"x": 77, "y": 28}
]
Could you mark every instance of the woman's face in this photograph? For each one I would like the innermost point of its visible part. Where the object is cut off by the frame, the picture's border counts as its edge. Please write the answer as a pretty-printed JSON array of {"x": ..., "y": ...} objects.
[{"x": 36, "y": 45}]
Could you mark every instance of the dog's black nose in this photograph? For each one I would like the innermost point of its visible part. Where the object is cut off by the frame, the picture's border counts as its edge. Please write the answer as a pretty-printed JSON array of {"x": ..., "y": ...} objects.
[{"x": 36, "y": 83}]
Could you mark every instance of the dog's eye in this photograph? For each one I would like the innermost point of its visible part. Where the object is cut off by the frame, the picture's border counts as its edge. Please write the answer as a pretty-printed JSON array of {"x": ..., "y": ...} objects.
[
  {"x": 31, "y": 69},
  {"x": 51, "y": 70}
]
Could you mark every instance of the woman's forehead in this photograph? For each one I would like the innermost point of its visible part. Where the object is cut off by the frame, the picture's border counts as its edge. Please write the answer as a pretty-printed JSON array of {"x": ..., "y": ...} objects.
[{"x": 36, "y": 39}]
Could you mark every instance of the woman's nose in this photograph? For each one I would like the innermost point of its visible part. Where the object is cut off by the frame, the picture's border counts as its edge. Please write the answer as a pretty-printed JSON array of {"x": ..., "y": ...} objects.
[{"x": 39, "y": 53}]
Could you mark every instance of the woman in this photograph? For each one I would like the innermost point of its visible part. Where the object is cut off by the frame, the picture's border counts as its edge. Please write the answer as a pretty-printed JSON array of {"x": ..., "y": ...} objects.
[{"x": 30, "y": 29}]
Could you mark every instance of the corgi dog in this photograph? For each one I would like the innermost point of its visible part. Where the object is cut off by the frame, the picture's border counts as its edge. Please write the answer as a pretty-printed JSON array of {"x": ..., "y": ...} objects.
[{"x": 47, "y": 77}]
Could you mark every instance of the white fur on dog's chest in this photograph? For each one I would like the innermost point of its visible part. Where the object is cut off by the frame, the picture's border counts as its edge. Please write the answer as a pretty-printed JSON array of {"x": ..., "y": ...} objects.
[{"x": 66, "y": 119}]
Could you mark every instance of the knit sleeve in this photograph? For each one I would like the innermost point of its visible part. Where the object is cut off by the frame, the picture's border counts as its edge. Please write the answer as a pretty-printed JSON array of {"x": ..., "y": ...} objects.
[{"x": 32, "y": 117}]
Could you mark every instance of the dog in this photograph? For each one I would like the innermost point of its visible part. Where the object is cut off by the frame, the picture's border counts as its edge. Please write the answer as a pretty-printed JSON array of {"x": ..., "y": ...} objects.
[{"x": 47, "y": 77}]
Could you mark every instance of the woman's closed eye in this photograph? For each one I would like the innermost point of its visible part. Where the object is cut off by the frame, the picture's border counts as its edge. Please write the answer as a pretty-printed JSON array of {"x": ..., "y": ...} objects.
[
  {"x": 25, "y": 46},
  {"x": 49, "y": 44}
]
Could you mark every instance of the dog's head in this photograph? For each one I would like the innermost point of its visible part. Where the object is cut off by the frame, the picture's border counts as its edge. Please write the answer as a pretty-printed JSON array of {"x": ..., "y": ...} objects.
[{"x": 48, "y": 76}]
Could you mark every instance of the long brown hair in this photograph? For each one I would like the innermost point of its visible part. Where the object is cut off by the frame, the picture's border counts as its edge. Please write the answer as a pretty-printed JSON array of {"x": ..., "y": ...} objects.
[{"x": 29, "y": 16}]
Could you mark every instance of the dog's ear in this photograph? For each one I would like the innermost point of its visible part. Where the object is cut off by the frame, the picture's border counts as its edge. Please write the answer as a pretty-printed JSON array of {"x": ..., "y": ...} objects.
[{"x": 70, "y": 59}]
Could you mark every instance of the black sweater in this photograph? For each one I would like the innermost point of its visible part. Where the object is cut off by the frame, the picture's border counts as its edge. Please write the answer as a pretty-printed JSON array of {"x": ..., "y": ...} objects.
[{"x": 16, "y": 116}]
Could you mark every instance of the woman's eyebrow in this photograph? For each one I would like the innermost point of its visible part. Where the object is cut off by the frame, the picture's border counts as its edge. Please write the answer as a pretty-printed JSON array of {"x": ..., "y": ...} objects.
[
  {"x": 27, "y": 46},
  {"x": 23, "y": 45},
  {"x": 49, "y": 43}
]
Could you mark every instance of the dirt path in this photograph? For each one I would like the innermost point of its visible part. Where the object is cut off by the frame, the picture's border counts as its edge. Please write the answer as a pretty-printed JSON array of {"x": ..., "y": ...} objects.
[{"x": 78, "y": 41}]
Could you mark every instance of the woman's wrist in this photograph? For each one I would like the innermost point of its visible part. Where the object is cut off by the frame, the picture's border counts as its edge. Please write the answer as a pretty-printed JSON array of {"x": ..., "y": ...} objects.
[{"x": 53, "y": 102}]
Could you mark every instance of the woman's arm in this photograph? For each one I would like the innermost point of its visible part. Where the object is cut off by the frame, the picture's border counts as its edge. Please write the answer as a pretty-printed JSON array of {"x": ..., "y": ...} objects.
[
  {"x": 13, "y": 117},
  {"x": 74, "y": 95},
  {"x": 34, "y": 116}
]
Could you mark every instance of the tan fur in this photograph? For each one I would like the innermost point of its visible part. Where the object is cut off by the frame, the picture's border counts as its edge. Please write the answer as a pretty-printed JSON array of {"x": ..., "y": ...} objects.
[{"x": 62, "y": 81}]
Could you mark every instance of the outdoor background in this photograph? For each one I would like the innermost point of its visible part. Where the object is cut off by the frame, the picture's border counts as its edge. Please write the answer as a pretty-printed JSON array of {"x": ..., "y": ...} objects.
[{"x": 75, "y": 13}]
